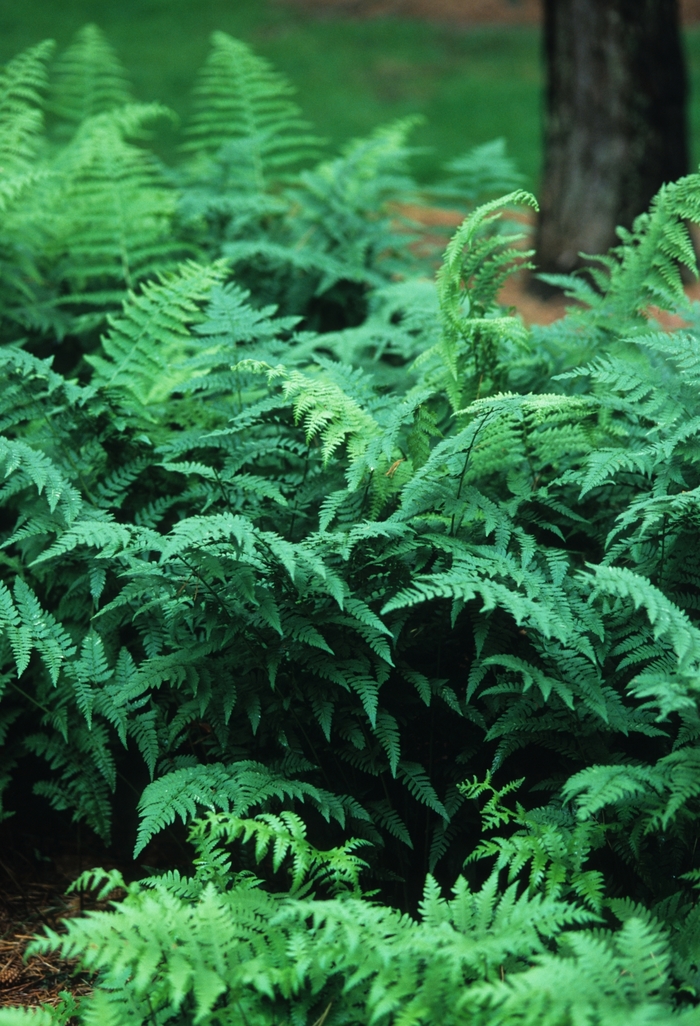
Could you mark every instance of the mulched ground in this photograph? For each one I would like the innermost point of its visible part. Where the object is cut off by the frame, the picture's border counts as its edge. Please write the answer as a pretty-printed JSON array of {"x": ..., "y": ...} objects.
[
  {"x": 41, "y": 854},
  {"x": 32, "y": 896},
  {"x": 25, "y": 907},
  {"x": 456, "y": 12}
]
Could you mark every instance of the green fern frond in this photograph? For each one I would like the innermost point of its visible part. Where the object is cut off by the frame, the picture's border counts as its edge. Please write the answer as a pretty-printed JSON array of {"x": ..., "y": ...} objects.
[
  {"x": 23, "y": 82},
  {"x": 42, "y": 1015},
  {"x": 645, "y": 268},
  {"x": 145, "y": 348},
  {"x": 112, "y": 209},
  {"x": 480, "y": 173},
  {"x": 237, "y": 788},
  {"x": 666, "y": 619},
  {"x": 474, "y": 267},
  {"x": 284, "y": 836},
  {"x": 239, "y": 97},
  {"x": 88, "y": 79},
  {"x": 418, "y": 783}
]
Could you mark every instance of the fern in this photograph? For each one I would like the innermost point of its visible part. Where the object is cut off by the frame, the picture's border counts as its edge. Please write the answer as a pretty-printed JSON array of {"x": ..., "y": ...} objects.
[
  {"x": 113, "y": 212},
  {"x": 305, "y": 538},
  {"x": 330, "y": 235},
  {"x": 22, "y": 87},
  {"x": 88, "y": 79},
  {"x": 23, "y": 83},
  {"x": 479, "y": 173},
  {"x": 475, "y": 265},
  {"x": 237, "y": 788},
  {"x": 478, "y": 953},
  {"x": 151, "y": 339},
  {"x": 239, "y": 97},
  {"x": 645, "y": 268}
]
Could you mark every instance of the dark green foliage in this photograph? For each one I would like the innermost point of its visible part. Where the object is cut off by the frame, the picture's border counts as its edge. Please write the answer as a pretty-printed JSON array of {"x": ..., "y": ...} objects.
[{"x": 303, "y": 534}]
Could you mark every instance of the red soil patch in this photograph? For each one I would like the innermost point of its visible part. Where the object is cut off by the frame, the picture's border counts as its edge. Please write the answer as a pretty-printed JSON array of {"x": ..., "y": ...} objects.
[{"x": 438, "y": 224}]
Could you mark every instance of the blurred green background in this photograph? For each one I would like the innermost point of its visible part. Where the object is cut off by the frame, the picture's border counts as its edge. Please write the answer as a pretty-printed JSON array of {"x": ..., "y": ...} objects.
[{"x": 471, "y": 85}]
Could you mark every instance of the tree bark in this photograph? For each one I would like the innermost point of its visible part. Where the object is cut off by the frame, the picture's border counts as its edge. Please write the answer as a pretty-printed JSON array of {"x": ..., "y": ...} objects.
[{"x": 615, "y": 121}]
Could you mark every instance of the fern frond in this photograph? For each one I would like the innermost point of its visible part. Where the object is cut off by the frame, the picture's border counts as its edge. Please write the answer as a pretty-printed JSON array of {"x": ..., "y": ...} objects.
[
  {"x": 88, "y": 79},
  {"x": 23, "y": 82},
  {"x": 145, "y": 348},
  {"x": 418, "y": 783},
  {"x": 112, "y": 209},
  {"x": 237, "y": 788},
  {"x": 284, "y": 836},
  {"x": 239, "y": 97},
  {"x": 480, "y": 173}
]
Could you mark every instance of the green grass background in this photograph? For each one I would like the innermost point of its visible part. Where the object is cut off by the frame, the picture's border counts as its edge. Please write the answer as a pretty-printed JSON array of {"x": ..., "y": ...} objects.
[{"x": 471, "y": 85}]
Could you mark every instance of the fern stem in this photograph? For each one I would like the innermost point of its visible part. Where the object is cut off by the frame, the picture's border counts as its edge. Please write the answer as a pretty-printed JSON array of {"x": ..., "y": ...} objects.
[
  {"x": 205, "y": 584},
  {"x": 123, "y": 251},
  {"x": 426, "y": 832},
  {"x": 528, "y": 453},
  {"x": 242, "y": 1014},
  {"x": 663, "y": 551},
  {"x": 369, "y": 482},
  {"x": 454, "y": 527},
  {"x": 312, "y": 749},
  {"x": 296, "y": 498},
  {"x": 224, "y": 493},
  {"x": 29, "y": 698}
]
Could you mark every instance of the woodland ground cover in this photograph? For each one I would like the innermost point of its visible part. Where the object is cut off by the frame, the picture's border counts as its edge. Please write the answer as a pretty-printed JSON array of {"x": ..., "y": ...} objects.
[
  {"x": 471, "y": 85},
  {"x": 391, "y": 600},
  {"x": 350, "y": 76}
]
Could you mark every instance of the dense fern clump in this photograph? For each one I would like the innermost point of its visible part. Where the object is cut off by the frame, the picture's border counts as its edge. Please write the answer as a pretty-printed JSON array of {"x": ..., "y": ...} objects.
[{"x": 312, "y": 550}]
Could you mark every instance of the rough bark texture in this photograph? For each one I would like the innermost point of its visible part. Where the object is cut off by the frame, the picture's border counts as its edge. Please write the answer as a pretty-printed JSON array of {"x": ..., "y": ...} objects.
[{"x": 615, "y": 121}]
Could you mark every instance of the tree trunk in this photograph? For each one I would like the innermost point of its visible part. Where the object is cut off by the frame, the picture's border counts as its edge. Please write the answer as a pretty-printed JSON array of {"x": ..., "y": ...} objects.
[{"x": 615, "y": 121}]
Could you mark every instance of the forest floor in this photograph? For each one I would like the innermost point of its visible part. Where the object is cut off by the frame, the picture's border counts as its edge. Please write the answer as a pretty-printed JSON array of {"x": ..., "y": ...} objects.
[
  {"x": 458, "y": 12},
  {"x": 40, "y": 856},
  {"x": 29, "y": 901},
  {"x": 35, "y": 871}
]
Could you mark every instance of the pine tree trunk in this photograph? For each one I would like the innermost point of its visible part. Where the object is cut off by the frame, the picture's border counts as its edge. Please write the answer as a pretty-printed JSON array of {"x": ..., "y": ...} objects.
[{"x": 615, "y": 121}]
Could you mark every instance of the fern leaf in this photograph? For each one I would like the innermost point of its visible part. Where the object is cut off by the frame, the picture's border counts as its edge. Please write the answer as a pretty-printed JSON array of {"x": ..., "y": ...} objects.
[
  {"x": 238, "y": 788},
  {"x": 112, "y": 210},
  {"x": 48, "y": 636},
  {"x": 144, "y": 346},
  {"x": 419, "y": 785},
  {"x": 239, "y": 96},
  {"x": 23, "y": 82},
  {"x": 88, "y": 79}
]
